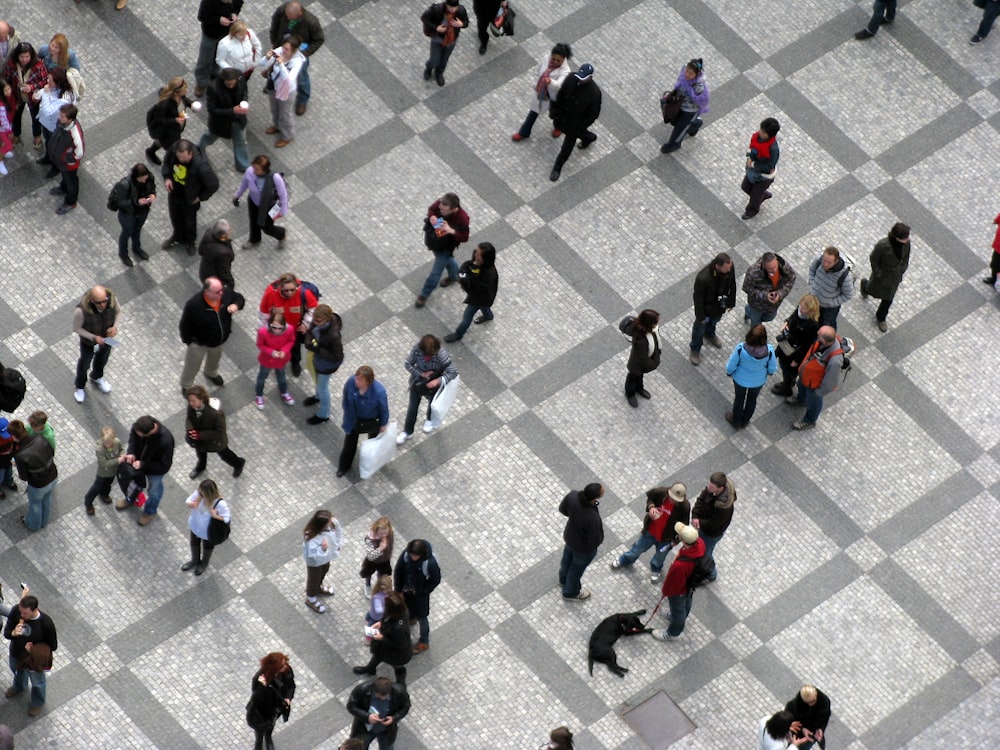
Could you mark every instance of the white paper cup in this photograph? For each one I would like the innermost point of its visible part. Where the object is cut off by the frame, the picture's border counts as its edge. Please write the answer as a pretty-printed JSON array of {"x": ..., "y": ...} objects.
[
  {"x": 196, "y": 106},
  {"x": 244, "y": 104}
]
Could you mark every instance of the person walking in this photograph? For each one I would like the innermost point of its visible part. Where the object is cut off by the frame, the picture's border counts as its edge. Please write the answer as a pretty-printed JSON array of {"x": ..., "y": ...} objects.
[
  {"x": 889, "y": 259},
  {"x": 217, "y": 254},
  {"x": 549, "y": 75},
  {"x": 991, "y": 10},
  {"x": 576, "y": 108},
  {"x": 324, "y": 356},
  {"x": 582, "y": 535},
  {"x": 166, "y": 120},
  {"x": 832, "y": 281},
  {"x": 797, "y": 335},
  {"x": 417, "y": 574},
  {"x": 443, "y": 22},
  {"x": 205, "y": 503},
  {"x": 750, "y": 364},
  {"x": 33, "y": 639},
  {"x": 430, "y": 368},
  {"x": 109, "y": 452},
  {"x": 678, "y": 593},
  {"x": 486, "y": 11},
  {"x": 762, "y": 161},
  {"x": 665, "y": 506},
  {"x": 377, "y": 707},
  {"x": 134, "y": 193},
  {"x": 95, "y": 319},
  {"x": 994, "y": 257},
  {"x": 883, "y": 12},
  {"x": 445, "y": 228},
  {"x": 694, "y": 92},
  {"x": 322, "y": 540},
  {"x": 205, "y": 431},
  {"x": 215, "y": 17},
  {"x": 378, "y": 552},
  {"x": 714, "y": 295},
  {"x": 35, "y": 461},
  {"x": 227, "y": 117},
  {"x": 366, "y": 410},
  {"x": 282, "y": 67},
  {"x": 391, "y": 643},
  {"x": 713, "y": 512},
  {"x": 274, "y": 345},
  {"x": 644, "y": 356},
  {"x": 266, "y": 190},
  {"x": 478, "y": 277},
  {"x": 271, "y": 691}
]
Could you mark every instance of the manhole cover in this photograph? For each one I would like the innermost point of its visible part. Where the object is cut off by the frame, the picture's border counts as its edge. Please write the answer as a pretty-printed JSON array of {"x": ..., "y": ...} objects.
[{"x": 659, "y": 721}]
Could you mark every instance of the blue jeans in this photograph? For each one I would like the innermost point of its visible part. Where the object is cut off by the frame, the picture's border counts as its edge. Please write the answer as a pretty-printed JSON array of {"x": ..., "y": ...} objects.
[
  {"x": 279, "y": 373},
  {"x": 710, "y": 542},
  {"x": 424, "y": 629},
  {"x": 758, "y": 316},
  {"x": 39, "y": 506},
  {"x": 154, "y": 491},
  {"x": 571, "y": 570},
  {"x": 828, "y": 316},
  {"x": 131, "y": 229},
  {"x": 21, "y": 677},
  {"x": 241, "y": 159},
  {"x": 813, "y": 401},
  {"x": 439, "y": 56},
  {"x": 323, "y": 394},
  {"x": 441, "y": 262},
  {"x": 680, "y": 608},
  {"x": 470, "y": 313},
  {"x": 882, "y": 9},
  {"x": 703, "y": 328},
  {"x": 990, "y": 13},
  {"x": 303, "y": 84},
  {"x": 643, "y": 543},
  {"x": 204, "y": 68}
]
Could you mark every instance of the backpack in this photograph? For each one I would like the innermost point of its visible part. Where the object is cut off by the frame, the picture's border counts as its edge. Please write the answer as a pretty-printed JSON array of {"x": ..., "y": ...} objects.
[
  {"x": 12, "y": 388},
  {"x": 118, "y": 191},
  {"x": 627, "y": 326},
  {"x": 704, "y": 569},
  {"x": 846, "y": 348},
  {"x": 303, "y": 286},
  {"x": 848, "y": 269}
]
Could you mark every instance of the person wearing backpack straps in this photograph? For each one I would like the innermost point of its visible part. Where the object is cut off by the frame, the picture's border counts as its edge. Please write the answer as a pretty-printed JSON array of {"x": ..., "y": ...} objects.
[
  {"x": 288, "y": 296},
  {"x": 266, "y": 188},
  {"x": 832, "y": 281},
  {"x": 818, "y": 376},
  {"x": 676, "y": 588},
  {"x": 131, "y": 198}
]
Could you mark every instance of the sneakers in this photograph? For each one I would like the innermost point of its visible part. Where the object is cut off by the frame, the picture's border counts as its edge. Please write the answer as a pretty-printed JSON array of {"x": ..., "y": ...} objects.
[
  {"x": 800, "y": 425},
  {"x": 368, "y": 590},
  {"x": 654, "y": 576},
  {"x": 882, "y": 326},
  {"x": 259, "y": 400},
  {"x": 428, "y": 427},
  {"x": 863, "y": 34},
  {"x": 287, "y": 398},
  {"x": 400, "y": 439},
  {"x": 663, "y": 635},
  {"x": 102, "y": 385},
  {"x": 793, "y": 401},
  {"x": 80, "y": 395},
  {"x": 694, "y": 358},
  {"x": 616, "y": 564},
  {"x": 583, "y": 596},
  {"x": 517, "y": 137}
]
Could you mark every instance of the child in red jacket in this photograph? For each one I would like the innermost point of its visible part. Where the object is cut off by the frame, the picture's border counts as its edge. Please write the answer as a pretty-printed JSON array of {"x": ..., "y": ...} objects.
[{"x": 275, "y": 341}]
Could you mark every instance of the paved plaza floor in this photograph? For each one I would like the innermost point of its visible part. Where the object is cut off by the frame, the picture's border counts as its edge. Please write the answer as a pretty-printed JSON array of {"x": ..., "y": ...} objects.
[{"x": 863, "y": 553}]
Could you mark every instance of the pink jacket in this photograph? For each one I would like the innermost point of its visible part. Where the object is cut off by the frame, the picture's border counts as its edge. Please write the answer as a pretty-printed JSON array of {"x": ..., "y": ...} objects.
[{"x": 268, "y": 342}]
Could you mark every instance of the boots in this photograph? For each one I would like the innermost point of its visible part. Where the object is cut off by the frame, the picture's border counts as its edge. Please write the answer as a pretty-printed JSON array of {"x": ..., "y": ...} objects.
[
  {"x": 206, "y": 555},
  {"x": 151, "y": 153},
  {"x": 784, "y": 388},
  {"x": 195, "y": 556}
]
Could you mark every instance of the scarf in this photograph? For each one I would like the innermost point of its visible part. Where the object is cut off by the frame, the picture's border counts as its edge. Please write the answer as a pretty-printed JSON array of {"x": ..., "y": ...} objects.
[
  {"x": 449, "y": 33},
  {"x": 759, "y": 147},
  {"x": 541, "y": 88}
]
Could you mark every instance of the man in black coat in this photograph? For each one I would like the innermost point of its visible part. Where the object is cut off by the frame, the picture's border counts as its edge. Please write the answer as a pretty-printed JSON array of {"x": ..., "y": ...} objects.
[
  {"x": 189, "y": 180},
  {"x": 151, "y": 451},
  {"x": 479, "y": 279},
  {"x": 583, "y": 534},
  {"x": 575, "y": 109},
  {"x": 206, "y": 322},
  {"x": 217, "y": 254},
  {"x": 486, "y": 11},
  {"x": 226, "y": 118},
  {"x": 377, "y": 707},
  {"x": 714, "y": 294},
  {"x": 810, "y": 709}
]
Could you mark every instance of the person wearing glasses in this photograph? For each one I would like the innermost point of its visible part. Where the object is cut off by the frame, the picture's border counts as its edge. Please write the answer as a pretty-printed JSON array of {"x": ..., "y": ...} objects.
[
  {"x": 205, "y": 325},
  {"x": 288, "y": 296},
  {"x": 94, "y": 319}
]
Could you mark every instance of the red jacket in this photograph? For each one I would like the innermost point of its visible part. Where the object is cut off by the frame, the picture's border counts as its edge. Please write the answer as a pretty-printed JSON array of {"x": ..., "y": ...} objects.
[
  {"x": 675, "y": 584},
  {"x": 996, "y": 239},
  {"x": 291, "y": 308}
]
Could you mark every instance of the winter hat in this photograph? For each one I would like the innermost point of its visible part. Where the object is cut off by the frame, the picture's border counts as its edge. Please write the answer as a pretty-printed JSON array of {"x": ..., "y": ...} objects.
[
  {"x": 688, "y": 534},
  {"x": 586, "y": 71},
  {"x": 678, "y": 492}
]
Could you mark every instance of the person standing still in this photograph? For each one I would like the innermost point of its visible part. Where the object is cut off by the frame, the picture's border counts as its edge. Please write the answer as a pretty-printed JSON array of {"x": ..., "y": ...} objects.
[
  {"x": 215, "y": 17},
  {"x": 33, "y": 638},
  {"x": 96, "y": 317},
  {"x": 445, "y": 228},
  {"x": 644, "y": 356},
  {"x": 583, "y": 534},
  {"x": 291, "y": 19},
  {"x": 135, "y": 193},
  {"x": 714, "y": 295}
]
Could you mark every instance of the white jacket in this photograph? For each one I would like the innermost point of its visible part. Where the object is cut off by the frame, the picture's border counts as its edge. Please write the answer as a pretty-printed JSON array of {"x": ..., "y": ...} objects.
[
  {"x": 558, "y": 76},
  {"x": 232, "y": 53}
]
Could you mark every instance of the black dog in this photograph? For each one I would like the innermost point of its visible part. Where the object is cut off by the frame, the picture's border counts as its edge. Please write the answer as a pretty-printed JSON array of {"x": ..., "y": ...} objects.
[{"x": 605, "y": 635}]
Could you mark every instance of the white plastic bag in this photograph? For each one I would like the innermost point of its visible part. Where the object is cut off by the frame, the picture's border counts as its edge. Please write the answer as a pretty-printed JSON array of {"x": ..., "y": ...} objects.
[
  {"x": 376, "y": 452},
  {"x": 442, "y": 401}
]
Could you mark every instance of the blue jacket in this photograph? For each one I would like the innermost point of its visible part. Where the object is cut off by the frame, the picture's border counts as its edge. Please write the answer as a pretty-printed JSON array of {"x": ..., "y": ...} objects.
[
  {"x": 374, "y": 404},
  {"x": 749, "y": 371}
]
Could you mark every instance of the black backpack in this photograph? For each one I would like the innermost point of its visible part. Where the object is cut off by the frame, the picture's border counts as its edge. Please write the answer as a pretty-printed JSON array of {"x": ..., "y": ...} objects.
[
  {"x": 627, "y": 326},
  {"x": 12, "y": 388},
  {"x": 118, "y": 191},
  {"x": 704, "y": 569}
]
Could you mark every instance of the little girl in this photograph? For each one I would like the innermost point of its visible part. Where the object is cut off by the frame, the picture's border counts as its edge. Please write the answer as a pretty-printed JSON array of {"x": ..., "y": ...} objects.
[
  {"x": 109, "y": 452},
  {"x": 275, "y": 341},
  {"x": 377, "y": 608},
  {"x": 7, "y": 107},
  {"x": 378, "y": 552},
  {"x": 322, "y": 538}
]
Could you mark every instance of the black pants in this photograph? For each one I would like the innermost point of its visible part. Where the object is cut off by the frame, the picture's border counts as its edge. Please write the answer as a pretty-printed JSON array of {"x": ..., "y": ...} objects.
[
  {"x": 350, "y": 448},
  {"x": 183, "y": 216},
  {"x": 633, "y": 383},
  {"x": 70, "y": 184},
  {"x": 486, "y": 11},
  {"x": 569, "y": 140},
  {"x": 399, "y": 672},
  {"x": 269, "y": 228},
  {"x": 101, "y": 486},
  {"x": 262, "y": 736},
  {"x": 15, "y": 125},
  {"x": 201, "y": 549},
  {"x": 756, "y": 192},
  {"x": 88, "y": 355},
  {"x": 226, "y": 455}
]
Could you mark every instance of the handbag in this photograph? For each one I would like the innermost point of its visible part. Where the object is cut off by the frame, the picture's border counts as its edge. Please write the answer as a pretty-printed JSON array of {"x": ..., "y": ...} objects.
[
  {"x": 442, "y": 401},
  {"x": 786, "y": 347},
  {"x": 218, "y": 530},
  {"x": 377, "y": 452},
  {"x": 670, "y": 105}
]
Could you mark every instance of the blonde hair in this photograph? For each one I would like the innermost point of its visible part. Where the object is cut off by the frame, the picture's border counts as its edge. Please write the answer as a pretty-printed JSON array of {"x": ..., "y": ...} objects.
[
  {"x": 237, "y": 27},
  {"x": 108, "y": 435},
  {"x": 811, "y": 303},
  {"x": 174, "y": 85},
  {"x": 808, "y": 693},
  {"x": 383, "y": 585},
  {"x": 381, "y": 524}
]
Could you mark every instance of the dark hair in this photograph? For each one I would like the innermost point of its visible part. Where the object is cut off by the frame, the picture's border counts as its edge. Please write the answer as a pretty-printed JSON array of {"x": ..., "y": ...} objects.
[
  {"x": 562, "y": 737},
  {"x": 354, "y": 743},
  {"x": 262, "y": 161},
  {"x": 721, "y": 259},
  {"x": 593, "y": 492},
  {"x": 696, "y": 65},
  {"x": 489, "y": 254},
  {"x": 770, "y": 126},
  {"x": 21, "y": 49},
  {"x": 832, "y": 251},
  {"x": 70, "y": 111},
  {"x": 451, "y": 200},
  {"x": 767, "y": 257},
  {"x": 382, "y": 686},
  {"x": 184, "y": 145},
  {"x": 293, "y": 40},
  {"x": 718, "y": 478},
  {"x": 230, "y": 74},
  {"x": 144, "y": 424},
  {"x": 900, "y": 231},
  {"x": 29, "y": 602},
  {"x": 429, "y": 344},
  {"x": 757, "y": 335},
  {"x": 16, "y": 428},
  {"x": 779, "y": 725},
  {"x": 60, "y": 80},
  {"x": 417, "y": 547},
  {"x": 199, "y": 391},
  {"x": 562, "y": 49},
  {"x": 139, "y": 170},
  {"x": 646, "y": 321},
  {"x": 395, "y": 606},
  {"x": 317, "y": 523}
]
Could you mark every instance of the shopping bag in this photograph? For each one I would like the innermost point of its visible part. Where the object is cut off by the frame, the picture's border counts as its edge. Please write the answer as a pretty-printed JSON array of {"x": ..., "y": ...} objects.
[
  {"x": 378, "y": 451},
  {"x": 442, "y": 401}
]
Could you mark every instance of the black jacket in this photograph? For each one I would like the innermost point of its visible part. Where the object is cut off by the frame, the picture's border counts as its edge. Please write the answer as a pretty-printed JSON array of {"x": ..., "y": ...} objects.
[
  {"x": 577, "y": 106},
  {"x": 217, "y": 258},
  {"x": 161, "y": 121},
  {"x": 209, "y": 13},
  {"x": 395, "y": 646},
  {"x": 359, "y": 705},
  {"x": 221, "y": 100},
  {"x": 801, "y": 334},
  {"x": 200, "y": 324},
  {"x": 154, "y": 452},
  {"x": 35, "y": 461},
  {"x": 812, "y": 717},
  {"x": 129, "y": 193},
  {"x": 308, "y": 30},
  {"x": 199, "y": 182},
  {"x": 714, "y": 292},
  {"x": 584, "y": 530},
  {"x": 416, "y": 579},
  {"x": 434, "y": 15},
  {"x": 641, "y": 360},
  {"x": 326, "y": 345},
  {"x": 211, "y": 427},
  {"x": 480, "y": 283},
  {"x": 267, "y": 702}
]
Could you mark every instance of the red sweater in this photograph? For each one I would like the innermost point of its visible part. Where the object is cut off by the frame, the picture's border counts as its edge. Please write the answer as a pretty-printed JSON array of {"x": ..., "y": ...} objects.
[
  {"x": 291, "y": 308},
  {"x": 675, "y": 584}
]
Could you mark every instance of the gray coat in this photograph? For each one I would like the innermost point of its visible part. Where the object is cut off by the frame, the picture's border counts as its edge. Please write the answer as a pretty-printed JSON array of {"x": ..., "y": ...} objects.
[
  {"x": 834, "y": 287},
  {"x": 887, "y": 269}
]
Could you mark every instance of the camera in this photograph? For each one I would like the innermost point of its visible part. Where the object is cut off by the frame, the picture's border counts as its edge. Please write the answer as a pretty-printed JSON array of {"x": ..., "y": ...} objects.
[{"x": 781, "y": 336}]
